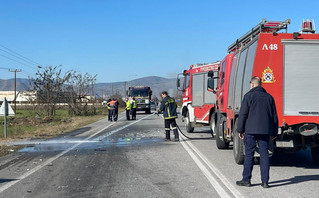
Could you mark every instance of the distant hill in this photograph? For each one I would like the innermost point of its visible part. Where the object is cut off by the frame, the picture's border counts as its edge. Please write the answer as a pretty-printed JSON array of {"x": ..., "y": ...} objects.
[
  {"x": 104, "y": 90},
  {"x": 8, "y": 85},
  {"x": 156, "y": 83}
]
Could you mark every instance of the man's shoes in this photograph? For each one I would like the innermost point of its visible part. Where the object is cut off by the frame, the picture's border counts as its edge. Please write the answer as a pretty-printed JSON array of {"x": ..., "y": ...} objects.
[
  {"x": 264, "y": 185},
  {"x": 166, "y": 140},
  {"x": 176, "y": 139},
  {"x": 243, "y": 183}
]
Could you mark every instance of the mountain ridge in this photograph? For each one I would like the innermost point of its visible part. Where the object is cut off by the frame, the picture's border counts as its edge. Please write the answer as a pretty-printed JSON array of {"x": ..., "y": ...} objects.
[{"x": 104, "y": 90}]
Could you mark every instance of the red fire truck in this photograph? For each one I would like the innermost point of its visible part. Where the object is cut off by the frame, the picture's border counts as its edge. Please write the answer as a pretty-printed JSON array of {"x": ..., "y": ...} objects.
[
  {"x": 198, "y": 102},
  {"x": 288, "y": 64}
]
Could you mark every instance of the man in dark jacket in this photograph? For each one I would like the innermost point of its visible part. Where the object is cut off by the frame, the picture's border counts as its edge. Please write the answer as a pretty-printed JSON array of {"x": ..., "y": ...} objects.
[
  {"x": 257, "y": 122},
  {"x": 116, "y": 109},
  {"x": 168, "y": 106}
]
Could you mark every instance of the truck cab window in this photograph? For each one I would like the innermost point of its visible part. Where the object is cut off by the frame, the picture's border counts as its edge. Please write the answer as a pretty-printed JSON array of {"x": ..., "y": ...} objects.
[
  {"x": 223, "y": 72},
  {"x": 186, "y": 81}
]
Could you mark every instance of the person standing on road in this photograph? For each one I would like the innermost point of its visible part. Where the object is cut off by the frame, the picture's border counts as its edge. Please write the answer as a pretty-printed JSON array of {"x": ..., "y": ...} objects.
[
  {"x": 168, "y": 107},
  {"x": 257, "y": 123},
  {"x": 109, "y": 109},
  {"x": 116, "y": 110},
  {"x": 134, "y": 106},
  {"x": 128, "y": 108},
  {"x": 112, "y": 110}
]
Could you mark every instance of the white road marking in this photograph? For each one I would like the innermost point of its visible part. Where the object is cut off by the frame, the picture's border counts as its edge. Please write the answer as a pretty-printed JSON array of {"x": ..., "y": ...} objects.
[
  {"x": 209, "y": 176},
  {"x": 50, "y": 160},
  {"x": 222, "y": 178},
  {"x": 190, "y": 148}
]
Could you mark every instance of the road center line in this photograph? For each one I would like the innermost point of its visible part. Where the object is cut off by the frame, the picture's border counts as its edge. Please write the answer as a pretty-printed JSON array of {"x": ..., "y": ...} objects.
[
  {"x": 209, "y": 176},
  {"x": 50, "y": 160},
  {"x": 190, "y": 148}
]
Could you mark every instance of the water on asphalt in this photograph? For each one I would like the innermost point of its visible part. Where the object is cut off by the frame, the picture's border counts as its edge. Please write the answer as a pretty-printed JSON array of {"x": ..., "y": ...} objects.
[{"x": 49, "y": 146}]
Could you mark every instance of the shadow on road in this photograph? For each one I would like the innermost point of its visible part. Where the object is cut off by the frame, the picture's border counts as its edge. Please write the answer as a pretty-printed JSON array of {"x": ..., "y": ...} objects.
[
  {"x": 6, "y": 180},
  {"x": 301, "y": 159},
  {"x": 294, "y": 180}
]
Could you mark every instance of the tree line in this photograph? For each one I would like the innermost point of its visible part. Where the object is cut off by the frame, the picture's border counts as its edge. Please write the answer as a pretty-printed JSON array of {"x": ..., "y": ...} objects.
[{"x": 52, "y": 87}]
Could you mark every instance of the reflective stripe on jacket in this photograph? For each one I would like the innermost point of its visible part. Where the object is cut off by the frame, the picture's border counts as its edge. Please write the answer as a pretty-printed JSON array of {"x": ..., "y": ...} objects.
[
  {"x": 134, "y": 104},
  {"x": 128, "y": 105},
  {"x": 168, "y": 106}
]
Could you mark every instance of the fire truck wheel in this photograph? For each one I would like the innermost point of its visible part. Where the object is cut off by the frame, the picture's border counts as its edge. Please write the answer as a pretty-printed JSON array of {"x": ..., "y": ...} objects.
[
  {"x": 188, "y": 124},
  {"x": 315, "y": 155},
  {"x": 238, "y": 147},
  {"x": 212, "y": 124},
  {"x": 220, "y": 139}
]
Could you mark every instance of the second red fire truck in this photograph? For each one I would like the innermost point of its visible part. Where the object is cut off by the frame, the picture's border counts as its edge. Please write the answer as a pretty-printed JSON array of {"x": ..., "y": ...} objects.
[{"x": 198, "y": 102}]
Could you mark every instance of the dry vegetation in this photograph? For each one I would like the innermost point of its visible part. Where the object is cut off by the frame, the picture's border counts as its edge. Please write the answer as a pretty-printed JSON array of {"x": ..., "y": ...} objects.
[{"x": 26, "y": 128}]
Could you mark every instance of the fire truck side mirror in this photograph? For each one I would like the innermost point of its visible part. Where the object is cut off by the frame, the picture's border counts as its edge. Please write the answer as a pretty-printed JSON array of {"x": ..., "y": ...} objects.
[{"x": 178, "y": 82}]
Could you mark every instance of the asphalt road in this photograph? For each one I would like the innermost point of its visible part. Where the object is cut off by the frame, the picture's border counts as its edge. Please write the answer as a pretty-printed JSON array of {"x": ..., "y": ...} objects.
[{"x": 130, "y": 159}]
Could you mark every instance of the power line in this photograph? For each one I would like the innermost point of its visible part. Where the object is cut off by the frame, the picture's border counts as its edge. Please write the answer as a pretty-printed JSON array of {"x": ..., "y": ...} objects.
[
  {"x": 20, "y": 55},
  {"x": 18, "y": 61}
]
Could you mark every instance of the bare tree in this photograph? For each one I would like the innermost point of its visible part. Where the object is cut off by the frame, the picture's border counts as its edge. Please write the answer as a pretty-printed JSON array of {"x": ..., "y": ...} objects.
[
  {"x": 48, "y": 84},
  {"x": 81, "y": 86}
]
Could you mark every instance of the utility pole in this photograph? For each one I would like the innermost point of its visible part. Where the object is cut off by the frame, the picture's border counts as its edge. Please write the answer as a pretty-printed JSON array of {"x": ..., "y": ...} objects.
[
  {"x": 93, "y": 100},
  {"x": 15, "y": 87}
]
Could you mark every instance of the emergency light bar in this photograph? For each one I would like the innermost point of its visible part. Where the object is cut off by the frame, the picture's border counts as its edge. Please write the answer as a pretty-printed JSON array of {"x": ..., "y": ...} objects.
[{"x": 306, "y": 26}]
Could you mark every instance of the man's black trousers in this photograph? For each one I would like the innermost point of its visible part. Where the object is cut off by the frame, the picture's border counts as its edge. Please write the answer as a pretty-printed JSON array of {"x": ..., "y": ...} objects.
[
  {"x": 172, "y": 122},
  {"x": 128, "y": 114},
  {"x": 250, "y": 141}
]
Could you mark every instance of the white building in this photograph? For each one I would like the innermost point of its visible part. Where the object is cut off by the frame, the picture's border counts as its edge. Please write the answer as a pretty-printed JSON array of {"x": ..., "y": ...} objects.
[{"x": 22, "y": 96}]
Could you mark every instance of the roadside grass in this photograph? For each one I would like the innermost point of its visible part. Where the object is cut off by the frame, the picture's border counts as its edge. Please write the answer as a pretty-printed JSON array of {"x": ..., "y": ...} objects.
[{"x": 26, "y": 125}]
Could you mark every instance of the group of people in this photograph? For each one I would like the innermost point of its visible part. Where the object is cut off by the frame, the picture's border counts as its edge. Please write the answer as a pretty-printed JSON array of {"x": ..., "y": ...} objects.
[
  {"x": 257, "y": 124},
  {"x": 113, "y": 109},
  {"x": 131, "y": 108}
]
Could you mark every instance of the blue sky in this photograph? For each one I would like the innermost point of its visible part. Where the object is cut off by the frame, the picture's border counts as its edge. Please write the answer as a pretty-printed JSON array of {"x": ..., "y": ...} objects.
[{"x": 121, "y": 40}]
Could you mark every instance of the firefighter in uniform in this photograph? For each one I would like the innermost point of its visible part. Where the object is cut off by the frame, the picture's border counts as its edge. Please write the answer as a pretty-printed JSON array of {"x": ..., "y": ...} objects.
[
  {"x": 134, "y": 105},
  {"x": 257, "y": 123},
  {"x": 128, "y": 108},
  {"x": 168, "y": 107}
]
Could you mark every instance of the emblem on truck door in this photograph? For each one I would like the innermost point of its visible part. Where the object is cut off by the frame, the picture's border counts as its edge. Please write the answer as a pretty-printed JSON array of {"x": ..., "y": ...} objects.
[{"x": 268, "y": 76}]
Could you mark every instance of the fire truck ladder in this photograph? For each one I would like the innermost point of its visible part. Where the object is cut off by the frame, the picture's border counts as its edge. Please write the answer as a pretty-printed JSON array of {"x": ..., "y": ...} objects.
[{"x": 263, "y": 26}]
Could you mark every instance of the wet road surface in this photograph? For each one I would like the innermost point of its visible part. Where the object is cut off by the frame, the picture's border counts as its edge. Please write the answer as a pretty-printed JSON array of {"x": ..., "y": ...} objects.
[{"x": 130, "y": 159}]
